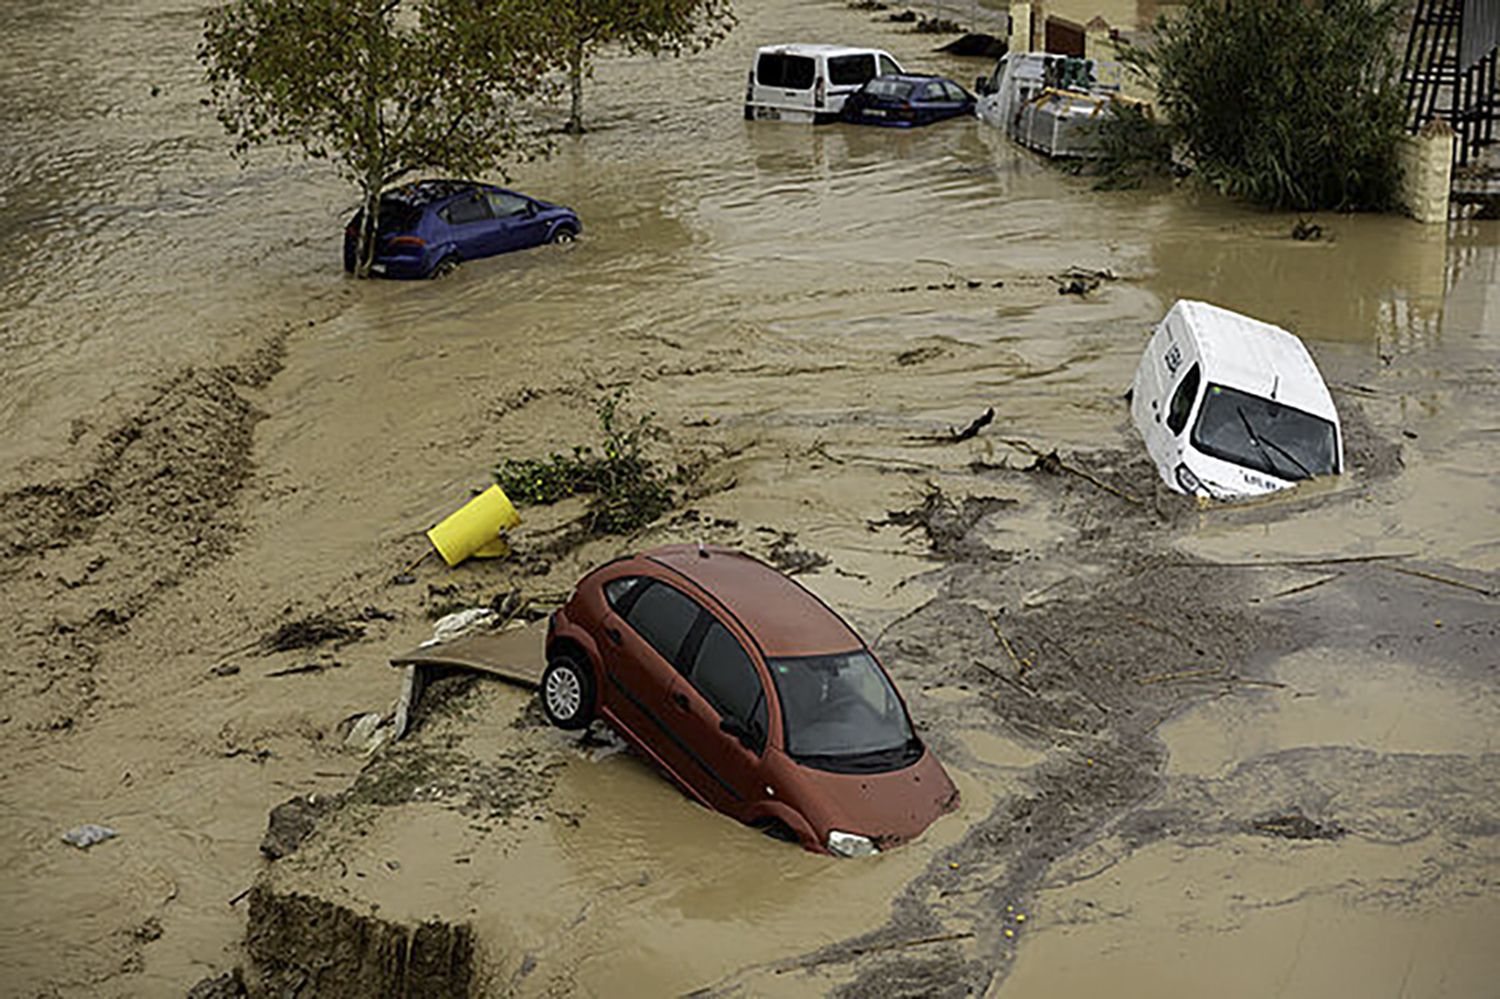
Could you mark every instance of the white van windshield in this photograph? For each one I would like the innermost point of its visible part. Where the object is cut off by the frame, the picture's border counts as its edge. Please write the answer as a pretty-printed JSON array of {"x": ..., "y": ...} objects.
[
  {"x": 1265, "y": 435},
  {"x": 790, "y": 72}
]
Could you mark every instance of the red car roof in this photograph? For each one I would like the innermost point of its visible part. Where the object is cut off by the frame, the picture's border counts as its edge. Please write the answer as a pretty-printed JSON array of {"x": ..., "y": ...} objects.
[{"x": 783, "y": 618}]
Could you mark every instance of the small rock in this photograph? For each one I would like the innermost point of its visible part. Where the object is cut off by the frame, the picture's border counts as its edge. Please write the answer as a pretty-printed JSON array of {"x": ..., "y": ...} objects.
[
  {"x": 364, "y": 733},
  {"x": 225, "y": 669},
  {"x": 1307, "y": 230},
  {"x": 290, "y": 823},
  {"x": 229, "y": 985},
  {"x": 87, "y": 835}
]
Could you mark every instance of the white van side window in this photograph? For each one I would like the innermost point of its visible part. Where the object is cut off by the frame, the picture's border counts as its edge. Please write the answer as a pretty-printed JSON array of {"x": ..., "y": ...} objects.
[
  {"x": 850, "y": 70},
  {"x": 888, "y": 66},
  {"x": 1182, "y": 400}
]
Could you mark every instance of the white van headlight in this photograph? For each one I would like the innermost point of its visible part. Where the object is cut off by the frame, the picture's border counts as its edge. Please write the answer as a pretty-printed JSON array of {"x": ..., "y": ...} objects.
[
  {"x": 850, "y": 844},
  {"x": 1188, "y": 481}
]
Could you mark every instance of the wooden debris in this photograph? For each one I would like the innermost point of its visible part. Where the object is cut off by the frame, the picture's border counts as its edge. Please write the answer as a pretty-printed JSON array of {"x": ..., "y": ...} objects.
[
  {"x": 994, "y": 621},
  {"x": 1186, "y": 674},
  {"x": 1305, "y": 586},
  {"x": 1436, "y": 578},
  {"x": 875, "y": 948},
  {"x": 1051, "y": 462}
]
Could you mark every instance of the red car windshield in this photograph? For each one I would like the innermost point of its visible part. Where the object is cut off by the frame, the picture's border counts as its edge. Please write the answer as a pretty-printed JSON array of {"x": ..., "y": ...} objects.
[{"x": 840, "y": 712}]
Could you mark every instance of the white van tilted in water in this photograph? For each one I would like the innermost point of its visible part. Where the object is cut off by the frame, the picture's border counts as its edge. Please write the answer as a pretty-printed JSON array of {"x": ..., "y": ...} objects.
[
  {"x": 809, "y": 83},
  {"x": 1230, "y": 406}
]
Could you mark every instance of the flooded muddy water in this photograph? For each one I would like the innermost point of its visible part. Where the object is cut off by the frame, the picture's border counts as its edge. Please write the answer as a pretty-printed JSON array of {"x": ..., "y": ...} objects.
[{"x": 799, "y": 308}]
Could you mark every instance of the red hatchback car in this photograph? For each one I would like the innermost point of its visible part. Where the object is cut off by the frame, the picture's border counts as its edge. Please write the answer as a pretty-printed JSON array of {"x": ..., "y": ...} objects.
[{"x": 750, "y": 693}]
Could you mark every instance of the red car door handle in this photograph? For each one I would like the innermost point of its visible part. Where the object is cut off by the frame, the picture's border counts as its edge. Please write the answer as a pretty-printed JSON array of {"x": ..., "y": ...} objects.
[
  {"x": 614, "y": 635},
  {"x": 681, "y": 699}
]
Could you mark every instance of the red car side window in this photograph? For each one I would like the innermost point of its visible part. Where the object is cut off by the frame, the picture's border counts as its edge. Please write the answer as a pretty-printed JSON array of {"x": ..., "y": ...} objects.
[
  {"x": 663, "y": 617},
  {"x": 621, "y": 593},
  {"x": 724, "y": 674}
]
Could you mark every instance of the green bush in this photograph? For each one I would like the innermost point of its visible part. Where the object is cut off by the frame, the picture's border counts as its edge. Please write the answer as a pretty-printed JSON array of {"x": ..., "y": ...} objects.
[
  {"x": 1133, "y": 147},
  {"x": 1288, "y": 103},
  {"x": 626, "y": 488}
]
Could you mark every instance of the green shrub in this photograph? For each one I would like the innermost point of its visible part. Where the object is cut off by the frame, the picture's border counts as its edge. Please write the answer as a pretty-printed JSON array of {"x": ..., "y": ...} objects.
[
  {"x": 1288, "y": 103},
  {"x": 1133, "y": 147},
  {"x": 626, "y": 488}
]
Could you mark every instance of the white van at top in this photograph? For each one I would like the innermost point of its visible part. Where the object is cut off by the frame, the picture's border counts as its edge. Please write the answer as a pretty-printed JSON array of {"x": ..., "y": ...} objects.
[
  {"x": 1230, "y": 406},
  {"x": 809, "y": 83}
]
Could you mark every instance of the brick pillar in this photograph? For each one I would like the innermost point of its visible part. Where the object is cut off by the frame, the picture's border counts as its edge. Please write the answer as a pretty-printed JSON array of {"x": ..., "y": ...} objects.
[
  {"x": 1020, "y": 27},
  {"x": 1427, "y": 172},
  {"x": 1097, "y": 43}
]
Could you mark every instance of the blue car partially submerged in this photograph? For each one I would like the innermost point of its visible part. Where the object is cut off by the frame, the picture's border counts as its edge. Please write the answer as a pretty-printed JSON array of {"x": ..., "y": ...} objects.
[
  {"x": 428, "y": 228},
  {"x": 902, "y": 100}
]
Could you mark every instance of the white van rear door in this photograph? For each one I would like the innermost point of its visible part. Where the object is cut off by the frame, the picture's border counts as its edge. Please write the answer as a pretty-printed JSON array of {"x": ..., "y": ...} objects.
[{"x": 784, "y": 79}]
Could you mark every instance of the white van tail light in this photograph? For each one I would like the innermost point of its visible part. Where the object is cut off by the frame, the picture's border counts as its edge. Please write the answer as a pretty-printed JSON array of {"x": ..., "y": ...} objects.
[{"x": 820, "y": 92}]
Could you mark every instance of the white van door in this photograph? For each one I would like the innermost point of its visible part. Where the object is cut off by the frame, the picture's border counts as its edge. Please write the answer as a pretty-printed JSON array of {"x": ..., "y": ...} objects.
[{"x": 783, "y": 89}]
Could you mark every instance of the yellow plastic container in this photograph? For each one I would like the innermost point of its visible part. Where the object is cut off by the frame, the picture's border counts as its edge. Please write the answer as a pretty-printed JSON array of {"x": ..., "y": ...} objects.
[{"x": 473, "y": 531}]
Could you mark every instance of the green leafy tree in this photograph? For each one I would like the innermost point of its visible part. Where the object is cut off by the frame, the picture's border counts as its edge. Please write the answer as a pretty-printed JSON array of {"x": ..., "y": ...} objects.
[
  {"x": 1289, "y": 103},
  {"x": 379, "y": 88},
  {"x": 656, "y": 27}
]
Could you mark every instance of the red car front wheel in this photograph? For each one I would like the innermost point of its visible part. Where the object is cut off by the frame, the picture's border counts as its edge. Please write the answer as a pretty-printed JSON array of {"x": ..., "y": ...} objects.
[{"x": 568, "y": 693}]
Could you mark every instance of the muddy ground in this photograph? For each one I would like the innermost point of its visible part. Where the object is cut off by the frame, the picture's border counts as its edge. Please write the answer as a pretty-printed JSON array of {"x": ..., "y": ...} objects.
[
  {"x": 1246, "y": 750},
  {"x": 1044, "y": 676}
]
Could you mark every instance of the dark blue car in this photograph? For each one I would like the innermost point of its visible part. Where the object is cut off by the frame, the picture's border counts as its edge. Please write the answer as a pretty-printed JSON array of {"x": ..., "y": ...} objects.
[
  {"x": 428, "y": 228},
  {"x": 906, "y": 99}
]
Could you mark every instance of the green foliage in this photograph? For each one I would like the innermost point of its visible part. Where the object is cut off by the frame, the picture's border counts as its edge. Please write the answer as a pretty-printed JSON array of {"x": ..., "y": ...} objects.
[
  {"x": 627, "y": 490},
  {"x": 655, "y": 27},
  {"x": 380, "y": 88},
  {"x": 1133, "y": 148},
  {"x": 1289, "y": 103}
]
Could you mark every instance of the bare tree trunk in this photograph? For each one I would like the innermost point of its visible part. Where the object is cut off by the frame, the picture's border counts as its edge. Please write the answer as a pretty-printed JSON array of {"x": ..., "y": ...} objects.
[
  {"x": 371, "y": 182},
  {"x": 364, "y": 253},
  {"x": 575, "y": 83}
]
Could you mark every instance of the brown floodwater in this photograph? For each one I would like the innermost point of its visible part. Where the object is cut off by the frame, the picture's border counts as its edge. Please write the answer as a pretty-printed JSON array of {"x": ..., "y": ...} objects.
[{"x": 754, "y": 286}]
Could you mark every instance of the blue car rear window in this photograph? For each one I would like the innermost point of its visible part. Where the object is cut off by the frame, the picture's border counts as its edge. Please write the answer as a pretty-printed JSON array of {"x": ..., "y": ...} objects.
[
  {"x": 397, "y": 216},
  {"x": 889, "y": 88}
]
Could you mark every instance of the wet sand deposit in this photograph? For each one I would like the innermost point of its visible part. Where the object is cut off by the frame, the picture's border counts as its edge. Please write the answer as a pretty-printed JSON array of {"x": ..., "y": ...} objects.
[{"x": 1243, "y": 750}]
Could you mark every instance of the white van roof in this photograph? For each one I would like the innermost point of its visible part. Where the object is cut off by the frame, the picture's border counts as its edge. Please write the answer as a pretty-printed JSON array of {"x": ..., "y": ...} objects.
[
  {"x": 809, "y": 49},
  {"x": 1254, "y": 356}
]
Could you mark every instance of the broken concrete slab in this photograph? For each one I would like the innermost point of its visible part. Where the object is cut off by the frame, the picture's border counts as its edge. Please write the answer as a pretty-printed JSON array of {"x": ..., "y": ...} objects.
[{"x": 515, "y": 655}]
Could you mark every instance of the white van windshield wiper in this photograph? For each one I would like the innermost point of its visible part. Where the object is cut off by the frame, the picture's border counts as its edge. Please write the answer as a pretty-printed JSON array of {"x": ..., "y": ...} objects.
[{"x": 1262, "y": 444}]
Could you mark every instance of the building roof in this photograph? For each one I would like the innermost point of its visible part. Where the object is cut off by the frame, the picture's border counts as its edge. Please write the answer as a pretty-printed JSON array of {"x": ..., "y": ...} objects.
[
  {"x": 1255, "y": 356},
  {"x": 784, "y": 618}
]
